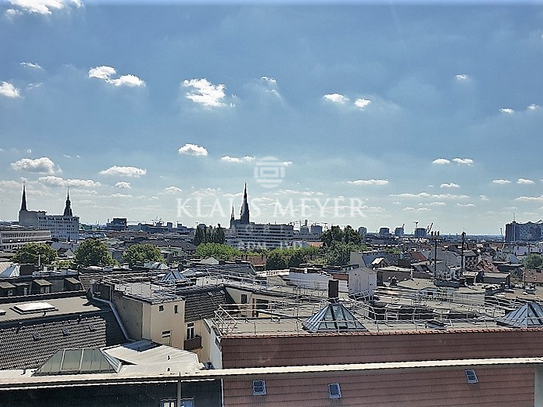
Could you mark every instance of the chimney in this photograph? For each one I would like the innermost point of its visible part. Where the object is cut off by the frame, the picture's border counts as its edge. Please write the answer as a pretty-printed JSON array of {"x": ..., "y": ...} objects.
[{"x": 333, "y": 290}]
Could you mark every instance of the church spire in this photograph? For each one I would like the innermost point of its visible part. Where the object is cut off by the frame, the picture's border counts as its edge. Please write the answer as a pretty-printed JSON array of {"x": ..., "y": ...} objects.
[
  {"x": 68, "y": 208},
  {"x": 245, "y": 208},
  {"x": 23, "y": 202}
]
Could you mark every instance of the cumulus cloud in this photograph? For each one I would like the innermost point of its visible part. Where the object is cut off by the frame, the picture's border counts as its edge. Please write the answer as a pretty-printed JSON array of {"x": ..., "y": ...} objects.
[
  {"x": 106, "y": 74},
  {"x": 237, "y": 160},
  {"x": 427, "y": 195},
  {"x": 336, "y": 98},
  {"x": 8, "y": 90},
  {"x": 172, "y": 190},
  {"x": 132, "y": 172},
  {"x": 42, "y": 165},
  {"x": 461, "y": 77},
  {"x": 524, "y": 181},
  {"x": 469, "y": 205},
  {"x": 533, "y": 106},
  {"x": 203, "y": 92},
  {"x": 463, "y": 161},
  {"x": 123, "y": 185},
  {"x": 369, "y": 182},
  {"x": 441, "y": 161},
  {"x": 362, "y": 103},
  {"x": 530, "y": 198},
  {"x": 53, "y": 181},
  {"x": 31, "y": 65},
  {"x": 507, "y": 110},
  {"x": 484, "y": 198},
  {"x": 501, "y": 181},
  {"x": 450, "y": 185},
  {"x": 193, "y": 149},
  {"x": 44, "y": 7}
]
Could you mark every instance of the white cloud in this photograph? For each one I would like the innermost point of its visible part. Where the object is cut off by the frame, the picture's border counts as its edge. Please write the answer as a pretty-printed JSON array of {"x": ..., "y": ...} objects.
[
  {"x": 507, "y": 110},
  {"x": 427, "y": 195},
  {"x": 8, "y": 90},
  {"x": 501, "y": 181},
  {"x": 533, "y": 106},
  {"x": 204, "y": 92},
  {"x": 124, "y": 171},
  {"x": 450, "y": 185},
  {"x": 369, "y": 182},
  {"x": 172, "y": 190},
  {"x": 237, "y": 160},
  {"x": 441, "y": 161},
  {"x": 530, "y": 198},
  {"x": 123, "y": 185},
  {"x": 524, "y": 181},
  {"x": 362, "y": 103},
  {"x": 193, "y": 149},
  {"x": 30, "y": 65},
  {"x": 53, "y": 181},
  {"x": 336, "y": 98},
  {"x": 271, "y": 81},
  {"x": 106, "y": 72},
  {"x": 44, "y": 7},
  {"x": 470, "y": 205},
  {"x": 43, "y": 165},
  {"x": 484, "y": 198},
  {"x": 461, "y": 77},
  {"x": 118, "y": 195},
  {"x": 463, "y": 161}
]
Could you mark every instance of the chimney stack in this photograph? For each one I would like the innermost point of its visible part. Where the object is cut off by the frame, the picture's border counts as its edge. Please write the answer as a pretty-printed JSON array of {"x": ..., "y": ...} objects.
[{"x": 333, "y": 290}]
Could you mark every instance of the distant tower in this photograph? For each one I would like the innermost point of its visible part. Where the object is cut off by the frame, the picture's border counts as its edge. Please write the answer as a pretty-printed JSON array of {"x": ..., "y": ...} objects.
[
  {"x": 244, "y": 218},
  {"x": 23, "y": 202},
  {"x": 68, "y": 208},
  {"x": 232, "y": 218}
]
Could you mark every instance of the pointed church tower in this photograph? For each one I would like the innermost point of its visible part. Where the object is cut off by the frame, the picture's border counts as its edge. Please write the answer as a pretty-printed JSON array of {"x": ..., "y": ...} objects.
[
  {"x": 68, "y": 208},
  {"x": 244, "y": 218},
  {"x": 23, "y": 202}
]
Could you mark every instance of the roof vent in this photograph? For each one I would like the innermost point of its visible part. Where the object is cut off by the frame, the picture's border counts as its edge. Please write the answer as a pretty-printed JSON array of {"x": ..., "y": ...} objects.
[
  {"x": 334, "y": 317},
  {"x": 2, "y": 312}
]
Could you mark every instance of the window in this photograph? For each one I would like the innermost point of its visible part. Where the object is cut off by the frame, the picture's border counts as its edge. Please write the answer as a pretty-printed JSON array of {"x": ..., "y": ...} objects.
[
  {"x": 471, "y": 377},
  {"x": 176, "y": 309},
  {"x": 166, "y": 334},
  {"x": 190, "y": 330},
  {"x": 259, "y": 387},
  {"x": 172, "y": 403},
  {"x": 334, "y": 391},
  {"x": 244, "y": 298},
  {"x": 160, "y": 308}
]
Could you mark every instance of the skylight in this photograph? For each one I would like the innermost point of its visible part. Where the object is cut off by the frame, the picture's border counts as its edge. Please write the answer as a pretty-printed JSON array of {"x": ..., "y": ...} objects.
[{"x": 34, "y": 307}]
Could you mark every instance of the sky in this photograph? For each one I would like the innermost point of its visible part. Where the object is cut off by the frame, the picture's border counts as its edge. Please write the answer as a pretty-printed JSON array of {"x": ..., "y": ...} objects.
[{"x": 369, "y": 114}]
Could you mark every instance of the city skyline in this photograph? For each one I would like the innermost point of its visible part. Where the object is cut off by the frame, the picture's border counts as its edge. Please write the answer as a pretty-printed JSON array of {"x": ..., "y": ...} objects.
[{"x": 406, "y": 113}]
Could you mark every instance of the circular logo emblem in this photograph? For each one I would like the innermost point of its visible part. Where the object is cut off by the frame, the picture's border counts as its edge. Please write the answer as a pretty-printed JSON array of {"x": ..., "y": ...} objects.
[{"x": 269, "y": 172}]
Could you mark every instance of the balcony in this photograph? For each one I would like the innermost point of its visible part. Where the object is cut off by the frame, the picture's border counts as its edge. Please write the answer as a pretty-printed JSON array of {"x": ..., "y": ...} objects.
[{"x": 194, "y": 343}]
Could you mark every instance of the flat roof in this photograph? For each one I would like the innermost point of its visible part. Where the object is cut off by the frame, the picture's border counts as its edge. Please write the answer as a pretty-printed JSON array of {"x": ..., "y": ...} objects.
[{"x": 58, "y": 306}]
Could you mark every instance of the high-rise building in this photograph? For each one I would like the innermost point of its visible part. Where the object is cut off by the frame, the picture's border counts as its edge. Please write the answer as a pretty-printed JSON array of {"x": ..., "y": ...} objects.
[
  {"x": 63, "y": 227},
  {"x": 523, "y": 232}
]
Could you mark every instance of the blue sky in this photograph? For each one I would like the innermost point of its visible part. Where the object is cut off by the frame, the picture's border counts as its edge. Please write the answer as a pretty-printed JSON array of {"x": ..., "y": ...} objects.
[{"x": 377, "y": 114}]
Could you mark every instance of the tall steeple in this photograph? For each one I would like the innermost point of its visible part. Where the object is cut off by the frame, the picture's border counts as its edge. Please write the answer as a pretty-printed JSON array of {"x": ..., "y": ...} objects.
[
  {"x": 68, "y": 208},
  {"x": 244, "y": 218},
  {"x": 23, "y": 202}
]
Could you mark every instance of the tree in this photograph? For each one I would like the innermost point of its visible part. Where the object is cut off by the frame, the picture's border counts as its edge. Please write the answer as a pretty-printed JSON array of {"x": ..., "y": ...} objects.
[
  {"x": 296, "y": 258},
  {"x": 92, "y": 252},
  {"x": 35, "y": 253},
  {"x": 339, "y": 253},
  {"x": 335, "y": 234},
  {"x": 199, "y": 236},
  {"x": 139, "y": 254},
  {"x": 218, "y": 251},
  {"x": 533, "y": 261},
  {"x": 276, "y": 260}
]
